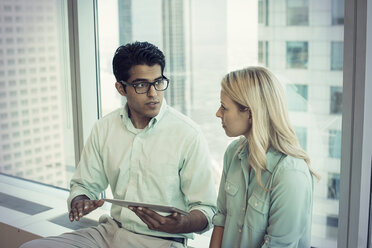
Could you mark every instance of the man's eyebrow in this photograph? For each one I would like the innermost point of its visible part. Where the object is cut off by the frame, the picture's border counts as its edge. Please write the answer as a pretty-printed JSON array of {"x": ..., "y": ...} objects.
[{"x": 145, "y": 79}]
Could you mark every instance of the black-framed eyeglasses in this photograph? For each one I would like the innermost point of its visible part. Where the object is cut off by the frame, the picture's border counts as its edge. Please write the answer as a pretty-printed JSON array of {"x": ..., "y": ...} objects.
[{"x": 142, "y": 87}]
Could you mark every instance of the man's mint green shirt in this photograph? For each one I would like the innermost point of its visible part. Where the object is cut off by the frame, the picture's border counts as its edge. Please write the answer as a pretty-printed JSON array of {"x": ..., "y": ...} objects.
[
  {"x": 166, "y": 163},
  {"x": 255, "y": 218}
]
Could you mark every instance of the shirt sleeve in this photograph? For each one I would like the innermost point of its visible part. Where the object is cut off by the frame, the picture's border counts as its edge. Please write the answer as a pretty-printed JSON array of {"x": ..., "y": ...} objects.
[
  {"x": 89, "y": 177},
  {"x": 291, "y": 208},
  {"x": 197, "y": 182},
  {"x": 220, "y": 217}
]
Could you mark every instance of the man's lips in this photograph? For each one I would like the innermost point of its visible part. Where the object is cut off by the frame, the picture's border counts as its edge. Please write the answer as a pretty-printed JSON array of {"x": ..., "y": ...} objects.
[{"x": 152, "y": 103}]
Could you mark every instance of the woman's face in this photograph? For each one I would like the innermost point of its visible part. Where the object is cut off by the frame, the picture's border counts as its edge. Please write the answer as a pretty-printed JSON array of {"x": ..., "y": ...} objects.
[{"x": 236, "y": 122}]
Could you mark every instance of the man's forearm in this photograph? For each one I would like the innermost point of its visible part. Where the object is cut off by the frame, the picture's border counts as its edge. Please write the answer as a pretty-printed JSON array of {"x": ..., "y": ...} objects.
[{"x": 194, "y": 222}]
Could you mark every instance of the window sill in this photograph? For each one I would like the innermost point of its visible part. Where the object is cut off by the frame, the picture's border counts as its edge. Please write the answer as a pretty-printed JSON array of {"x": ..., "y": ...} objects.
[{"x": 19, "y": 196}]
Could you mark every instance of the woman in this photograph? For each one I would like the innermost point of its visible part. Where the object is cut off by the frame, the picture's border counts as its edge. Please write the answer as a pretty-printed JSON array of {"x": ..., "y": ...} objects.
[{"x": 266, "y": 192}]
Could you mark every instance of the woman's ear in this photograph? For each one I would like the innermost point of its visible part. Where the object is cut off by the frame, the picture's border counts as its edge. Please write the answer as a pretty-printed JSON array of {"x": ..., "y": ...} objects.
[
  {"x": 250, "y": 113},
  {"x": 247, "y": 109}
]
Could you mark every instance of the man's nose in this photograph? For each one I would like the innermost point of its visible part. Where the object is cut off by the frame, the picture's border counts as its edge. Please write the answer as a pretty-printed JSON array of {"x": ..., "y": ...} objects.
[{"x": 152, "y": 91}]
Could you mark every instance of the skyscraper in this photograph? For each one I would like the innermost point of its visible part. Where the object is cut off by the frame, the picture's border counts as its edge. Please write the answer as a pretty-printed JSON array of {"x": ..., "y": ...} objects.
[
  {"x": 31, "y": 86},
  {"x": 303, "y": 40},
  {"x": 168, "y": 21}
]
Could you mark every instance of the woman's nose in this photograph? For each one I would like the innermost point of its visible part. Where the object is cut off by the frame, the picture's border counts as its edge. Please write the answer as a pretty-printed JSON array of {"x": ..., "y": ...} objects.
[{"x": 218, "y": 113}]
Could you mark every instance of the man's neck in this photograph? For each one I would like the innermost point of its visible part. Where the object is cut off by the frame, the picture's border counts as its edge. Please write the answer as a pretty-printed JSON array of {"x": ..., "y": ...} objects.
[{"x": 139, "y": 123}]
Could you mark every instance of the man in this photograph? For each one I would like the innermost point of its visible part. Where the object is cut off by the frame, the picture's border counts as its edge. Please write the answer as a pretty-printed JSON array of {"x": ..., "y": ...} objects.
[{"x": 147, "y": 152}]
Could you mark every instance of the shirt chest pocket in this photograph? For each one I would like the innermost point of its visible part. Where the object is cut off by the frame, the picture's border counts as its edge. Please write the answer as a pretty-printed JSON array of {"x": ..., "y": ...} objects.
[
  {"x": 257, "y": 212},
  {"x": 232, "y": 200}
]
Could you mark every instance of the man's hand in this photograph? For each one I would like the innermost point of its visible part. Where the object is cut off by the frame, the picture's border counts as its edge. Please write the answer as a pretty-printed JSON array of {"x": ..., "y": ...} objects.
[
  {"x": 82, "y": 205},
  {"x": 174, "y": 223}
]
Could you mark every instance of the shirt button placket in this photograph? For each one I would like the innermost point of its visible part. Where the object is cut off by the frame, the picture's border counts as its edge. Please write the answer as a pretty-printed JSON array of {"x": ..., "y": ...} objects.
[{"x": 134, "y": 163}]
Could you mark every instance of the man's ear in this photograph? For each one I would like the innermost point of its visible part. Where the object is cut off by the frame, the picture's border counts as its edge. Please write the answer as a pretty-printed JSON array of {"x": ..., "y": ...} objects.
[{"x": 120, "y": 88}]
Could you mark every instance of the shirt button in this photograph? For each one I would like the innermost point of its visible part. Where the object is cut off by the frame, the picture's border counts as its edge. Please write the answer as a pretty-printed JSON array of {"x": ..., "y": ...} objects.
[
  {"x": 240, "y": 230},
  {"x": 228, "y": 187},
  {"x": 243, "y": 209},
  {"x": 266, "y": 241},
  {"x": 256, "y": 204}
]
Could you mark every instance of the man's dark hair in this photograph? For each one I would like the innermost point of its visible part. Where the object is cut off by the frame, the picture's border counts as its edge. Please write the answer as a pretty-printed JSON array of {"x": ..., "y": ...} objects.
[{"x": 137, "y": 53}]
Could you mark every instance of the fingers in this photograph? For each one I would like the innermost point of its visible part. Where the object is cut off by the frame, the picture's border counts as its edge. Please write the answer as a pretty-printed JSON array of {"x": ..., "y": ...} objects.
[
  {"x": 83, "y": 207},
  {"x": 154, "y": 221},
  {"x": 152, "y": 215},
  {"x": 148, "y": 220},
  {"x": 100, "y": 202},
  {"x": 149, "y": 217}
]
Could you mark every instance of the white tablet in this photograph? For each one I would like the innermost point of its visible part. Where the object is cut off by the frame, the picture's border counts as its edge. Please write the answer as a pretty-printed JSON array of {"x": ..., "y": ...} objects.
[{"x": 154, "y": 207}]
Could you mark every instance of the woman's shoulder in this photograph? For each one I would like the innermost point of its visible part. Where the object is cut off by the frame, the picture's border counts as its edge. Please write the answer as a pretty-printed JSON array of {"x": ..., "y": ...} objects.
[
  {"x": 293, "y": 163},
  {"x": 296, "y": 167}
]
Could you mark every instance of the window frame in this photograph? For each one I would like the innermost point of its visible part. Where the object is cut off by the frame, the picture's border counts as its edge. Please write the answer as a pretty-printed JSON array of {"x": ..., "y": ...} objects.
[
  {"x": 84, "y": 67},
  {"x": 356, "y": 147}
]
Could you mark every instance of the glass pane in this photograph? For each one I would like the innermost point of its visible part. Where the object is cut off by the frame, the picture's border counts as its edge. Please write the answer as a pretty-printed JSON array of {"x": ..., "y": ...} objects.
[
  {"x": 333, "y": 186},
  {"x": 297, "y": 97},
  {"x": 263, "y": 53},
  {"x": 297, "y": 12},
  {"x": 337, "y": 55},
  {"x": 336, "y": 100},
  {"x": 297, "y": 54},
  {"x": 263, "y": 17},
  {"x": 301, "y": 133},
  {"x": 35, "y": 104},
  {"x": 198, "y": 56},
  {"x": 338, "y": 12},
  {"x": 335, "y": 144}
]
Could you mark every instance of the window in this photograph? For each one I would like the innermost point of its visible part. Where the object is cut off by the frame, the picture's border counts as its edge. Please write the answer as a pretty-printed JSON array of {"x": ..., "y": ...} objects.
[
  {"x": 194, "y": 88},
  {"x": 263, "y": 9},
  {"x": 297, "y": 54},
  {"x": 333, "y": 186},
  {"x": 337, "y": 55},
  {"x": 297, "y": 97},
  {"x": 27, "y": 61},
  {"x": 301, "y": 133},
  {"x": 336, "y": 100},
  {"x": 263, "y": 53},
  {"x": 334, "y": 143},
  {"x": 297, "y": 12},
  {"x": 338, "y": 12}
]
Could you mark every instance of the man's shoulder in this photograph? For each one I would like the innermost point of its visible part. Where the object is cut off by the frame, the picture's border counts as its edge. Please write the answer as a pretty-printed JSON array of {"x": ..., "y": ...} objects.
[{"x": 109, "y": 118}]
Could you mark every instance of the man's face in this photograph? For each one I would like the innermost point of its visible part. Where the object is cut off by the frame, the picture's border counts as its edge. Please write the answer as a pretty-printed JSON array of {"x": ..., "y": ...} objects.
[{"x": 143, "y": 107}]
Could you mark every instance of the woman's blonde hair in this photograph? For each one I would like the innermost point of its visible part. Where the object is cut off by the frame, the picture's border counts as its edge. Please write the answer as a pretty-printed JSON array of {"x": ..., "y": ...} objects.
[{"x": 257, "y": 89}]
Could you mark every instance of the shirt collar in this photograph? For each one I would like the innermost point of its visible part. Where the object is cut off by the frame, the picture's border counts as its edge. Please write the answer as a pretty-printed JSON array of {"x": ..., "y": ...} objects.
[
  {"x": 157, "y": 118},
  {"x": 127, "y": 121},
  {"x": 243, "y": 153},
  {"x": 272, "y": 157}
]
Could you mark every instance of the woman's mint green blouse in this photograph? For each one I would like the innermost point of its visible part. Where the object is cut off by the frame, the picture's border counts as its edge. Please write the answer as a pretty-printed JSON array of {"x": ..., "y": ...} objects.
[{"x": 253, "y": 217}]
